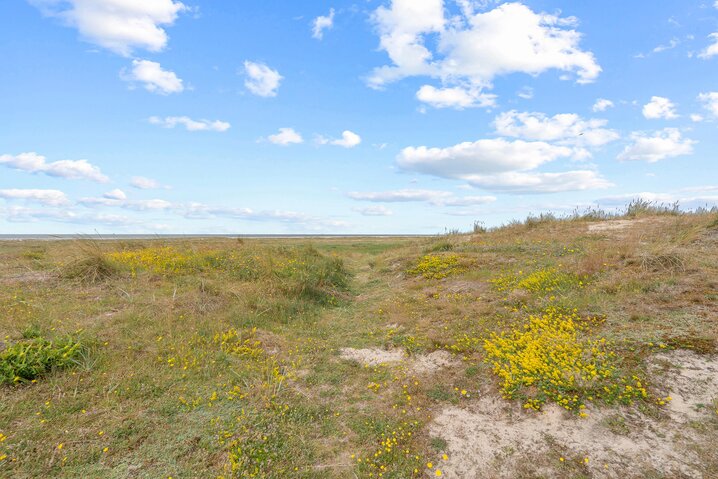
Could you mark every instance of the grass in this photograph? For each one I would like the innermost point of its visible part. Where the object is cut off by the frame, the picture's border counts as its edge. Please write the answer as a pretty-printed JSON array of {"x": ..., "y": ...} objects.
[{"x": 219, "y": 358}]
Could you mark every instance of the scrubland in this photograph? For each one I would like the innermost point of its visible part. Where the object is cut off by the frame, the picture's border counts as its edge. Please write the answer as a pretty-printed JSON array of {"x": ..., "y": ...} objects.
[{"x": 583, "y": 347}]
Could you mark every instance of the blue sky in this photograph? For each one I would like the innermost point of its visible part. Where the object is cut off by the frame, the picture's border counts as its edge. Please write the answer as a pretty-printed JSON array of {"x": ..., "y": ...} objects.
[{"x": 392, "y": 116}]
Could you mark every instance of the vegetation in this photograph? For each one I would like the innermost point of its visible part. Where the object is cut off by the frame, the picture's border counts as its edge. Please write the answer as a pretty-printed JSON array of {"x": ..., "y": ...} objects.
[{"x": 224, "y": 358}]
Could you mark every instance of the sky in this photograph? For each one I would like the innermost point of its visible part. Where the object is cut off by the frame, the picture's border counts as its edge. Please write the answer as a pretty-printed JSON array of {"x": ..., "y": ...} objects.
[{"x": 352, "y": 117}]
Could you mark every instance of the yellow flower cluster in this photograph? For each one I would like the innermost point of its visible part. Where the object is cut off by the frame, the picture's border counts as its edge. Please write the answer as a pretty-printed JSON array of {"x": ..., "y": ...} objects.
[
  {"x": 240, "y": 345},
  {"x": 437, "y": 266},
  {"x": 548, "y": 359},
  {"x": 159, "y": 260},
  {"x": 546, "y": 280}
]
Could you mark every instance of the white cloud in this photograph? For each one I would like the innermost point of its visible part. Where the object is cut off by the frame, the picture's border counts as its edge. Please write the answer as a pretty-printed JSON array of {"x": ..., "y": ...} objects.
[
  {"x": 378, "y": 210},
  {"x": 261, "y": 80},
  {"x": 286, "y": 136},
  {"x": 696, "y": 118},
  {"x": 466, "y": 201},
  {"x": 116, "y": 194},
  {"x": 471, "y": 50},
  {"x": 154, "y": 78},
  {"x": 710, "y": 102},
  {"x": 142, "y": 183},
  {"x": 455, "y": 97},
  {"x": 521, "y": 182},
  {"x": 711, "y": 50},
  {"x": 118, "y": 25},
  {"x": 45, "y": 197},
  {"x": 526, "y": 93},
  {"x": 567, "y": 128},
  {"x": 659, "y": 107},
  {"x": 666, "y": 143},
  {"x": 602, "y": 104},
  {"x": 69, "y": 169},
  {"x": 190, "y": 124},
  {"x": 662, "y": 48},
  {"x": 322, "y": 23},
  {"x": 435, "y": 197},
  {"x": 399, "y": 196},
  {"x": 485, "y": 156},
  {"x": 349, "y": 139}
]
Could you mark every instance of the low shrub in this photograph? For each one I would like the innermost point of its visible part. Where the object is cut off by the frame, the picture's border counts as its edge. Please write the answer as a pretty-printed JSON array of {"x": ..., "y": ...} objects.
[{"x": 27, "y": 360}]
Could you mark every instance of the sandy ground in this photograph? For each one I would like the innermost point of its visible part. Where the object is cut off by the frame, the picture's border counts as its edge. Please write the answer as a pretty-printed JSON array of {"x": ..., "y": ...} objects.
[{"x": 491, "y": 438}]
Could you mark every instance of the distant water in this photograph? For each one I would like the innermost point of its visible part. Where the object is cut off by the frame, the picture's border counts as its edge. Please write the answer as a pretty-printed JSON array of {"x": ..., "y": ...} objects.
[{"x": 110, "y": 237}]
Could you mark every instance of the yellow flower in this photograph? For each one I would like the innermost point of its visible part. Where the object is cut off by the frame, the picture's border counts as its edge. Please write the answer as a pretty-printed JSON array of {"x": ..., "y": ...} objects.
[
  {"x": 60, "y": 446},
  {"x": 429, "y": 465},
  {"x": 445, "y": 457},
  {"x": 438, "y": 473}
]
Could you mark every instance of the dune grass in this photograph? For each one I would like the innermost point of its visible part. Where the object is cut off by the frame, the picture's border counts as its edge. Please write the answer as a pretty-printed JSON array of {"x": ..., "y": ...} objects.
[{"x": 220, "y": 358}]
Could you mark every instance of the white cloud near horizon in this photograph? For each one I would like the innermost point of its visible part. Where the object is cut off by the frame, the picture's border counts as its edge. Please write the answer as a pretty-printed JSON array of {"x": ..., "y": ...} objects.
[
  {"x": 190, "y": 124},
  {"x": 659, "y": 108},
  {"x": 143, "y": 183},
  {"x": 153, "y": 77},
  {"x": 261, "y": 80},
  {"x": 285, "y": 137},
  {"x": 121, "y": 26},
  {"x": 45, "y": 197},
  {"x": 474, "y": 48},
  {"x": 662, "y": 144},
  {"x": 32, "y": 162},
  {"x": 377, "y": 210},
  {"x": 322, "y": 23},
  {"x": 435, "y": 197}
]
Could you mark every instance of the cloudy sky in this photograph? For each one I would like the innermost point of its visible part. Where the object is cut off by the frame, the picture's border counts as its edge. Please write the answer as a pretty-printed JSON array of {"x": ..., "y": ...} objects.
[{"x": 377, "y": 116}]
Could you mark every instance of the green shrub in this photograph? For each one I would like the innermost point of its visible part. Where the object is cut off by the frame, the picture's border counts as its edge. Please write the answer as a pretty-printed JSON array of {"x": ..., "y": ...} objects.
[{"x": 29, "y": 359}]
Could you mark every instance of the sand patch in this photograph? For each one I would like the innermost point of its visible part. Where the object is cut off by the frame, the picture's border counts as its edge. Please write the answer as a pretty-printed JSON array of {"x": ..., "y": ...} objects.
[
  {"x": 691, "y": 380},
  {"x": 372, "y": 356},
  {"x": 432, "y": 362},
  {"x": 419, "y": 363},
  {"x": 492, "y": 438},
  {"x": 612, "y": 225}
]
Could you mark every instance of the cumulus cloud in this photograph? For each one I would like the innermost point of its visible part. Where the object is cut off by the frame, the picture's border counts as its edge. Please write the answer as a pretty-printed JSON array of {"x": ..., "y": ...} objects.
[
  {"x": 474, "y": 48},
  {"x": 190, "y": 124},
  {"x": 285, "y": 137},
  {"x": 602, "y": 104},
  {"x": 153, "y": 77},
  {"x": 261, "y": 80},
  {"x": 455, "y": 97},
  {"x": 45, "y": 197},
  {"x": 118, "y": 25},
  {"x": 532, "y": 182},
  {"x": 484, "y": 156},
  {"x": 710, "y": 50},
  {"x": 378, "y": 210},
  {"x": 566, "y": 128},
  {"x": 666, "y": 143},
  {"x": 322, "y": 23},
  {"x": 710, "y": 102},
  {"x": 349, "y": 139},
  {"x": 143, "y": 183},
  {"x": 659, "y": 107},
  {"x": 69, "y": 169}
]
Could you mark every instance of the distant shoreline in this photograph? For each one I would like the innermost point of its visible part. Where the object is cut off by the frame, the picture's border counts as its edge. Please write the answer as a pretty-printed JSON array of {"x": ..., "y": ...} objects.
[{"x": 111, "y": 237}]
